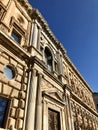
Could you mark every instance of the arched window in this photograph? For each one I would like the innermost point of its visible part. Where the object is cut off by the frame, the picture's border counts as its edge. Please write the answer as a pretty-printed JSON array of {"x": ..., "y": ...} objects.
[{"x": 48, "y": 59}]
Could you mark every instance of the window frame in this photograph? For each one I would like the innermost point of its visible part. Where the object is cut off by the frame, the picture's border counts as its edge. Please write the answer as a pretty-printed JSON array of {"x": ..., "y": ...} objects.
[
  {"x": 13, "y": 69},
  {"x": 48, "y": 53},
  {"x": 50, "y": 102},
  {"x": 17, "y": 34},
  {"x": 6, "y": 112},
  {"x": 14, "y": 25}
]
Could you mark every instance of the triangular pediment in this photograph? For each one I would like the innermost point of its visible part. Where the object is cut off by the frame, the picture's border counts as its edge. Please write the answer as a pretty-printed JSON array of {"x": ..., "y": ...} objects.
[{"x": 54, "y": 94}]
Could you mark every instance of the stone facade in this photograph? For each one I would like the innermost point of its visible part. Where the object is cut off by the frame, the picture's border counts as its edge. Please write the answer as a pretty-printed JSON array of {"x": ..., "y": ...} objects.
[
  {"x": 95, "y": 95},
  {"x": 42, "y": 87}
]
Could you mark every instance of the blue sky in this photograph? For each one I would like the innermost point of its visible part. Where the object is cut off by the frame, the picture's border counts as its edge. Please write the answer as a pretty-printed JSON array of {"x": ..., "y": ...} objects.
[{"x": 75, "y": 24}]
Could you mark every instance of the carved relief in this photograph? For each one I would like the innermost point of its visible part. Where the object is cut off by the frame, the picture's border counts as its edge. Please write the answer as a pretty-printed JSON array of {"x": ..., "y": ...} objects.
[{"x": 46, "y": 85}]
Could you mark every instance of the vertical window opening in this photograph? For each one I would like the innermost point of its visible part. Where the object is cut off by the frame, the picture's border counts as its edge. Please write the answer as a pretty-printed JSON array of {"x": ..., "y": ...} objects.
[
  {"x": 3, "y": 111},
  {"x": 16, "y": 36},
  {"x": 48, "y": 59}
]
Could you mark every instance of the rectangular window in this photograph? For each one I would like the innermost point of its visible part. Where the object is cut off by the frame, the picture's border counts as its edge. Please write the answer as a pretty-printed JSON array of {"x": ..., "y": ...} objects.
[
  {"x": 53, "y": 120},
  {"x": 16, "y": 36},
  {"x": 3, "y": 111}
]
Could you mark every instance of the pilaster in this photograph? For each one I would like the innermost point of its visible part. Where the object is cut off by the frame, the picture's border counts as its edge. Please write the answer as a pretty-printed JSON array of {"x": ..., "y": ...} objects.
[
  {"x": 31, "y": 102},
  {"x": 67, "y": 92},
  {"x": 35, "y": 35},
  {"x": 38, "y": 119},
  {"x": 38, "y": 41}
]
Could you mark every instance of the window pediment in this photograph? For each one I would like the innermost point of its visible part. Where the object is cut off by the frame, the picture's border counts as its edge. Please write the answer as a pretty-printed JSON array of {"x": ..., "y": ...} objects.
[{"x": 54, "y": 94}]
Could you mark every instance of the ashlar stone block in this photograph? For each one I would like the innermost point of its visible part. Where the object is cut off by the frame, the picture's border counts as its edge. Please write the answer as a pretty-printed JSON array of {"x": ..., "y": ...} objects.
[
  {"x": 13, "y": 62},
  {"x": 21, "y": 103},
  {"x": 20, "y": 71},
  {"x": 15, "y": 84},
  {"x": 1, "y": 68},
  {"x": 12, "y": 112},
  {"x": 3, "y": 78},
  {"x": 22, "y": 95},
  {"x": 4, "y": 60},
  {"x": 15, "y": 102},
  {"x": 6, "y": 89},
  {"x": 18, "y": 78},
  {"x": 15, "y": 93},
  {"x": 11, "y": 122},
  {"x": 19, "y": 123},
  {"x": 20, "y": 113}
]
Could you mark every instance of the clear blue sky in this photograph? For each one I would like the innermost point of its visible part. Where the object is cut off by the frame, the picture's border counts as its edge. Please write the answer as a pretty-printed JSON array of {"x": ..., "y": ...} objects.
[{"x": 75, "y": 24}]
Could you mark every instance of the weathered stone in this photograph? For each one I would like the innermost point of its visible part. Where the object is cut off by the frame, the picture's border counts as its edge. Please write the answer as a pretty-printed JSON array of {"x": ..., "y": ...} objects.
[
  {"x": 1, "y": 68},
  {"x": 22, "y": 94},
  {"x": 12, "y": 112},
  {"x": 15, "y": 93},
  {"x": 15, "y": 84},
  {"x": 20, "y": 113},
  {"x": 21, "y": 103},
  {"x": 15, "y": 102},
  {"x": 11, "y": 121},
  {"x": 6, "y": 89},
  {"x": 18, "y": 78},
  {"x": 4, "y": 61},
  {"x": 19, "y": 123},
  {"x": 13, "y": 62}
]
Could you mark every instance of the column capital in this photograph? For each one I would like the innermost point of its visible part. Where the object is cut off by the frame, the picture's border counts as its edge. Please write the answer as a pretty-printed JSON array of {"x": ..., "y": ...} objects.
[{"x": 34, "y": 71}]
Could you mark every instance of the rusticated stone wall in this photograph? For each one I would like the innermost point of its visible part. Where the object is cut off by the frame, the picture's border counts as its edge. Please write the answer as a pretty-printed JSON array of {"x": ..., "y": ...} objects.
[
  {"x": 15, "y": 89},
  {"x": 82, "y": 118}
]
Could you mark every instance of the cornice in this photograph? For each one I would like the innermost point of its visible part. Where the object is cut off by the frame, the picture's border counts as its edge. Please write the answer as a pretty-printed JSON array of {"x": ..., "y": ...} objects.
[
  {"x": 77, "y": 72},
  {"x": 26, "y": 5},
  {"x": 37, "y": 15}
]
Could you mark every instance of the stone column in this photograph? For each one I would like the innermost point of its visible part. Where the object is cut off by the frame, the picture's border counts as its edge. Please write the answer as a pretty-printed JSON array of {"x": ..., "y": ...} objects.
[
  {"x": 35, "y": 35},
  {"x": 30, "y": 120},
  {"x": 38, "y": 119}
]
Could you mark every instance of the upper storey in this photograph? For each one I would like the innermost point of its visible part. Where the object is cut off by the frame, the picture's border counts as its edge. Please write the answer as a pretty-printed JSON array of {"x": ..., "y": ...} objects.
[
  {"x": 29, "y": 33},
  {"x": 15, "y": 21}
]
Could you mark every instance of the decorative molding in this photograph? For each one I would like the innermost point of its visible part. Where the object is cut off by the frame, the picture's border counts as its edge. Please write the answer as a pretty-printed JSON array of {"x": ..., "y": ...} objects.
[
  {"x": 17, "y": 26},
  {"x": 55, "y": 95}
]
